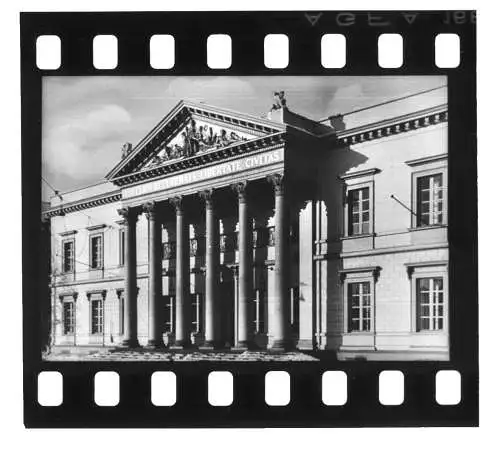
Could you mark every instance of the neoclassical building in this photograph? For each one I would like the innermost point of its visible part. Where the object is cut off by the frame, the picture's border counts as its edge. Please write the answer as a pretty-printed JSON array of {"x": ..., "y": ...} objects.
[{"x": 224, "y": 230}]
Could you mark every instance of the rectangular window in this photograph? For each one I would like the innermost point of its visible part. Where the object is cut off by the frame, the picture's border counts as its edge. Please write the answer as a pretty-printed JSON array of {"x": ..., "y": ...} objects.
[
  {"x": 96, "y": 257},
  {"x": 169, "y": 313},
  {"x": 97, "y": 315},
  {"x": 68, "y": 256},
  {"x": 359, "y": 211},
  {"x": 121, "y": 247},
  {"x": 196, "y": 312},
  {"x": 430, "y": 303},
  {"x": 68, "y": 318},
  {"x": 359, "y": 305},
  {"x": 430, "y": 200}
]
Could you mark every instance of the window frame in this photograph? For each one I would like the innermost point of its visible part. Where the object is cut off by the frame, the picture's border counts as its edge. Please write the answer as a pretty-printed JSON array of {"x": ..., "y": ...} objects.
[
  {"x": 432, "y": 304},
  {"x": 425, "y": 167},
  {"x": 91, "y": 237},
  {"x": 73, "y": 243},
  {"x": 436, "y": 269},
  {"x": 348, "y": 210},
  {"x": 359, "y": 275},
  {"x": 354, "y": 181},
  {"x": 93, "y": 296},
  {"x": 360, "y": 306},
  {"x": 69, "y": 301},
  {"x": 101, "y": 332},
  {"x": 121, "y": 246}
]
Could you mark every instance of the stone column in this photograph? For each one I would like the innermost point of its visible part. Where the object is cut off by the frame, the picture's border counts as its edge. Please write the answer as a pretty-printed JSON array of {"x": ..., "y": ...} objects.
[
  {"x": 279, "y": 308},
  {"x": 130, "y": 271},
  {"x": 212, "y": 257},
  {"x": 182, "y": 302},
  {"x": 155, "y": 275},
  {"x": 245, "y": 266}
]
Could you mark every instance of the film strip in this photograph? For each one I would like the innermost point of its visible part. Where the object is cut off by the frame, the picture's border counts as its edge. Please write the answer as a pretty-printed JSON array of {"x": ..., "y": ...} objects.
[{"x": 356, "y": 307}]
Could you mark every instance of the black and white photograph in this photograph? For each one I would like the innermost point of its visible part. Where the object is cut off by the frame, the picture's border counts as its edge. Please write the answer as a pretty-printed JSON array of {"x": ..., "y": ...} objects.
[
  {"x": 248, "y": 219},
  {"x": 245, "y": 218}
]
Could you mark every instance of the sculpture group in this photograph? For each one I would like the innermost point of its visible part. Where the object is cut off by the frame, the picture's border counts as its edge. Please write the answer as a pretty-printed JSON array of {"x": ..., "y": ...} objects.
[{"x": 196, "y": 139}]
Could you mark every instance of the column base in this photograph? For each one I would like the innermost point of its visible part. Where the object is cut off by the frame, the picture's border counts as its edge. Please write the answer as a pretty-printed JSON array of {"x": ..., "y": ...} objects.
[
  {"x": 282, "y": 346},
  {"x": 180, "y": 345},
  {"x": 245, "y": 346},
  {"x": 130, "y": 343},
  {"x": 211, "y": 345},
  {"x": 156, "y": 344}
]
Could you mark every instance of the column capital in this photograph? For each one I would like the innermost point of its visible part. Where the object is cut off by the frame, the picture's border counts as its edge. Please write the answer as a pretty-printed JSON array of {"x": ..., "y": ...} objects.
[
  {"x": 241, "y": 189},
  {"x": 208, "y": 196},
  {"x": 150, "y": 209},
  {"x": 129, "y": 214},
  {"x": 177, "y": 203},
  {"x": 278, "y": 182}
]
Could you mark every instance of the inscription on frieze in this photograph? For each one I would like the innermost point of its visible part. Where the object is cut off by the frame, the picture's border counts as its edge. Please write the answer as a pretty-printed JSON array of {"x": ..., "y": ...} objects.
[{"x": 210, "y": 172}]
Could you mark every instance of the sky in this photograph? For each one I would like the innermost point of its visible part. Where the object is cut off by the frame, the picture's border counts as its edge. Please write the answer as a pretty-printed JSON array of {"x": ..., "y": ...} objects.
[{"x": 86, "y": 120}]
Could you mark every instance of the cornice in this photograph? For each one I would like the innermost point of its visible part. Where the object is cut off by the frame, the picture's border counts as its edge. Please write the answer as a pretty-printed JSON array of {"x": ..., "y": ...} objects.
[
  {"x": 427, "y": 160},
  {"x": 410, "y": 267},
  {"x": 373, "y": 270},
  {"x": 83, "y": 204},
  {"x": 393, "y": 126},
  {"x": 69, "y": 233},
  {"x": 358, "y": 174},
  {"x": 96, "y": 227}
]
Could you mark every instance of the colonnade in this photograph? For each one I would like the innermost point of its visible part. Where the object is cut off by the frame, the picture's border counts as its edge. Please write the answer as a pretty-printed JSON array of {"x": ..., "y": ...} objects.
[{"x": 278, "y": 299}]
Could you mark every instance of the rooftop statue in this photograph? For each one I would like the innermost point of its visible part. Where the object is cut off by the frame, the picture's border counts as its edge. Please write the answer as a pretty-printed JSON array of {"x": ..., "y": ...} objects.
[
  {"x": 279, "y": 100},
  {"x": 126, "y": 149}
]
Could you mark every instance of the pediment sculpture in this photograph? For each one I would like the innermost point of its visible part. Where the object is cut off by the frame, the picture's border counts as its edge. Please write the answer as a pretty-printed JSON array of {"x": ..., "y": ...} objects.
[{"x": 195, "y": 139}]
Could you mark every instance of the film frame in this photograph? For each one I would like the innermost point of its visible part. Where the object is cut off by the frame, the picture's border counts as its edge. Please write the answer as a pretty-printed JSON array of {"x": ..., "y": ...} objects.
[{"x": 247, "y": 31}]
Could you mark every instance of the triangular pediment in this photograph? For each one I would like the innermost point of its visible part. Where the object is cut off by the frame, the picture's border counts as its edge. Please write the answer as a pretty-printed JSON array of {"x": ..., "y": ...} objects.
[{"x": 188, "y": 131}]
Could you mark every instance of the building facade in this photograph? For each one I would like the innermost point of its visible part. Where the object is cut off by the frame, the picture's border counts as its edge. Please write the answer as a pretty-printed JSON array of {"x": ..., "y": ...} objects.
[{"x": 224, "y": 230}]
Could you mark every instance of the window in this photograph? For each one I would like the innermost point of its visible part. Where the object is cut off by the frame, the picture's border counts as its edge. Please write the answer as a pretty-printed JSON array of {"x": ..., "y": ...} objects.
[
  {"x": 359, "y": 188},
  {"x": 121, "y": 247},
  {"x": 429, "y": 191},
  {"x": 430, "y": 303},
  {"x": 429, "y": 295},
  {"x": 97, "y": 315},
  {"x": 359, "y": 298},
  {"x": 68, "y": 318},
  {"x": 359, "y": 307},
  {"x": 196, "y": 312},
  {"x": 169, "y": 313},
  {"x": 68, "y": 256},
  {"x": 96, "y": 254},
  {"x": 430, "y": 200},
  {"x": 359, "y": 211}
]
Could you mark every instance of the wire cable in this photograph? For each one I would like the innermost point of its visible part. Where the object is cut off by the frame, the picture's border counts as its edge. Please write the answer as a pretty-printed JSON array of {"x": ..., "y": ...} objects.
[{"x": 383, "y": 103}]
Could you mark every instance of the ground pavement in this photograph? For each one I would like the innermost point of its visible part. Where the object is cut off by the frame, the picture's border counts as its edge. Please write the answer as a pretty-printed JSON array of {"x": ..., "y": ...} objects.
[{"x": 179, "y": 356}]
